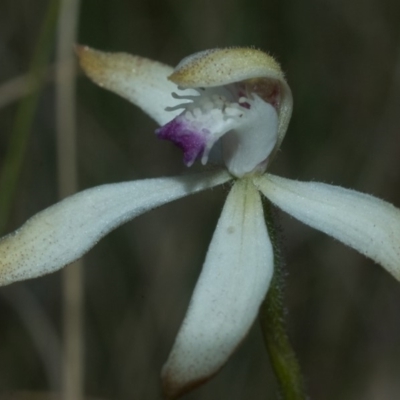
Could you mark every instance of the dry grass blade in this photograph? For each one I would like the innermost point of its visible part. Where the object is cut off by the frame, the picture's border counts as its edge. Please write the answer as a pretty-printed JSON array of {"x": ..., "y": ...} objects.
[{"x": 73, "y": 370}]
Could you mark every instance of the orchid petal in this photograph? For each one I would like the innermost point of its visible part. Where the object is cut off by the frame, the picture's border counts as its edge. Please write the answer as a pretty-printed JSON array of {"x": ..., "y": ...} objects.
[
  {"x": 140, "y": 80},
  {"x": 233, "y": 283},
  {"x": 363, "y": 222},
  {"x": 65, "y": 231}
]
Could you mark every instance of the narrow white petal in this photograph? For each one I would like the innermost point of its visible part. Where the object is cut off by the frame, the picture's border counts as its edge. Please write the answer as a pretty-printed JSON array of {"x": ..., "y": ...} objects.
[
  {"x": 64, "y": 232},
  {"x": 234, "y": 280},
  {"x": 368, "y": 224},
  {"x": 140, "y": 80}
]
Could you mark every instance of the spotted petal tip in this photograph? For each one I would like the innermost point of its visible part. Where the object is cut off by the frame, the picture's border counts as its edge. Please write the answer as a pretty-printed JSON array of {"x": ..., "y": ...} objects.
[{"x": 140, "y": 80}]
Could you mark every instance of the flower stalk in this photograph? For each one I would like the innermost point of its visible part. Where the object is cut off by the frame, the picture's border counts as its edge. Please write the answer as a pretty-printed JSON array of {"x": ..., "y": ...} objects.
[{"x": 273, "y": 325}]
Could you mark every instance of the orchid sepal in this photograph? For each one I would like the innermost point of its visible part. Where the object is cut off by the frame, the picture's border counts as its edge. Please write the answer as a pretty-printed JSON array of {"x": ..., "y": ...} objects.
[
  {"x": 361, "y": 221},
  {"x": 232, "y": 285},
  {"x": 62, "y": 233}
]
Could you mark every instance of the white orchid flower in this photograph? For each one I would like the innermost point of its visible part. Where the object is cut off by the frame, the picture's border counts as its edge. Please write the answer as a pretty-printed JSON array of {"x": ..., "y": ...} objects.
[{"x": 230, "y": 107}]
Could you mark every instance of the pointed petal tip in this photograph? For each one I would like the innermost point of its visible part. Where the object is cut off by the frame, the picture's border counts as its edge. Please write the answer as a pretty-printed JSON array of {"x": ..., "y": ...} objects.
[
  {"x": 93, "y": 62},
  {"x": 114, "y": 71},
  {"x": 140, "y": 80},
  {"x": 175, "y": 385},
  {"x": 79, "y": 49},
  {"x": 82, "y": 52}
]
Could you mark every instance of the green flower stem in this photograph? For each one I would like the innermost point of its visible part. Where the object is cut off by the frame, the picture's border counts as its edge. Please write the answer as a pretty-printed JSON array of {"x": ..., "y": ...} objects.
[
  {"x": 25, "y": 113},
  {"x": 273, "y": 325}
]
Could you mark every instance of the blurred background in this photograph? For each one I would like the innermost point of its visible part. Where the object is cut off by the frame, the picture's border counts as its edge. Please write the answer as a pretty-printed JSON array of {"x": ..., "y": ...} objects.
[{"x": 342, "y": 61}]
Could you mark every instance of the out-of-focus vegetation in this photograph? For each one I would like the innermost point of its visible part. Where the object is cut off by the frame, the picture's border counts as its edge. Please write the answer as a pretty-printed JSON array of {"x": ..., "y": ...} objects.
[{"x": 342, "y": 60}]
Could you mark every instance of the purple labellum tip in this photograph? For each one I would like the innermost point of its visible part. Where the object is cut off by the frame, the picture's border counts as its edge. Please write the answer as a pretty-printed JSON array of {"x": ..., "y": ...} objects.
[{"x": 186, "y": 137}]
